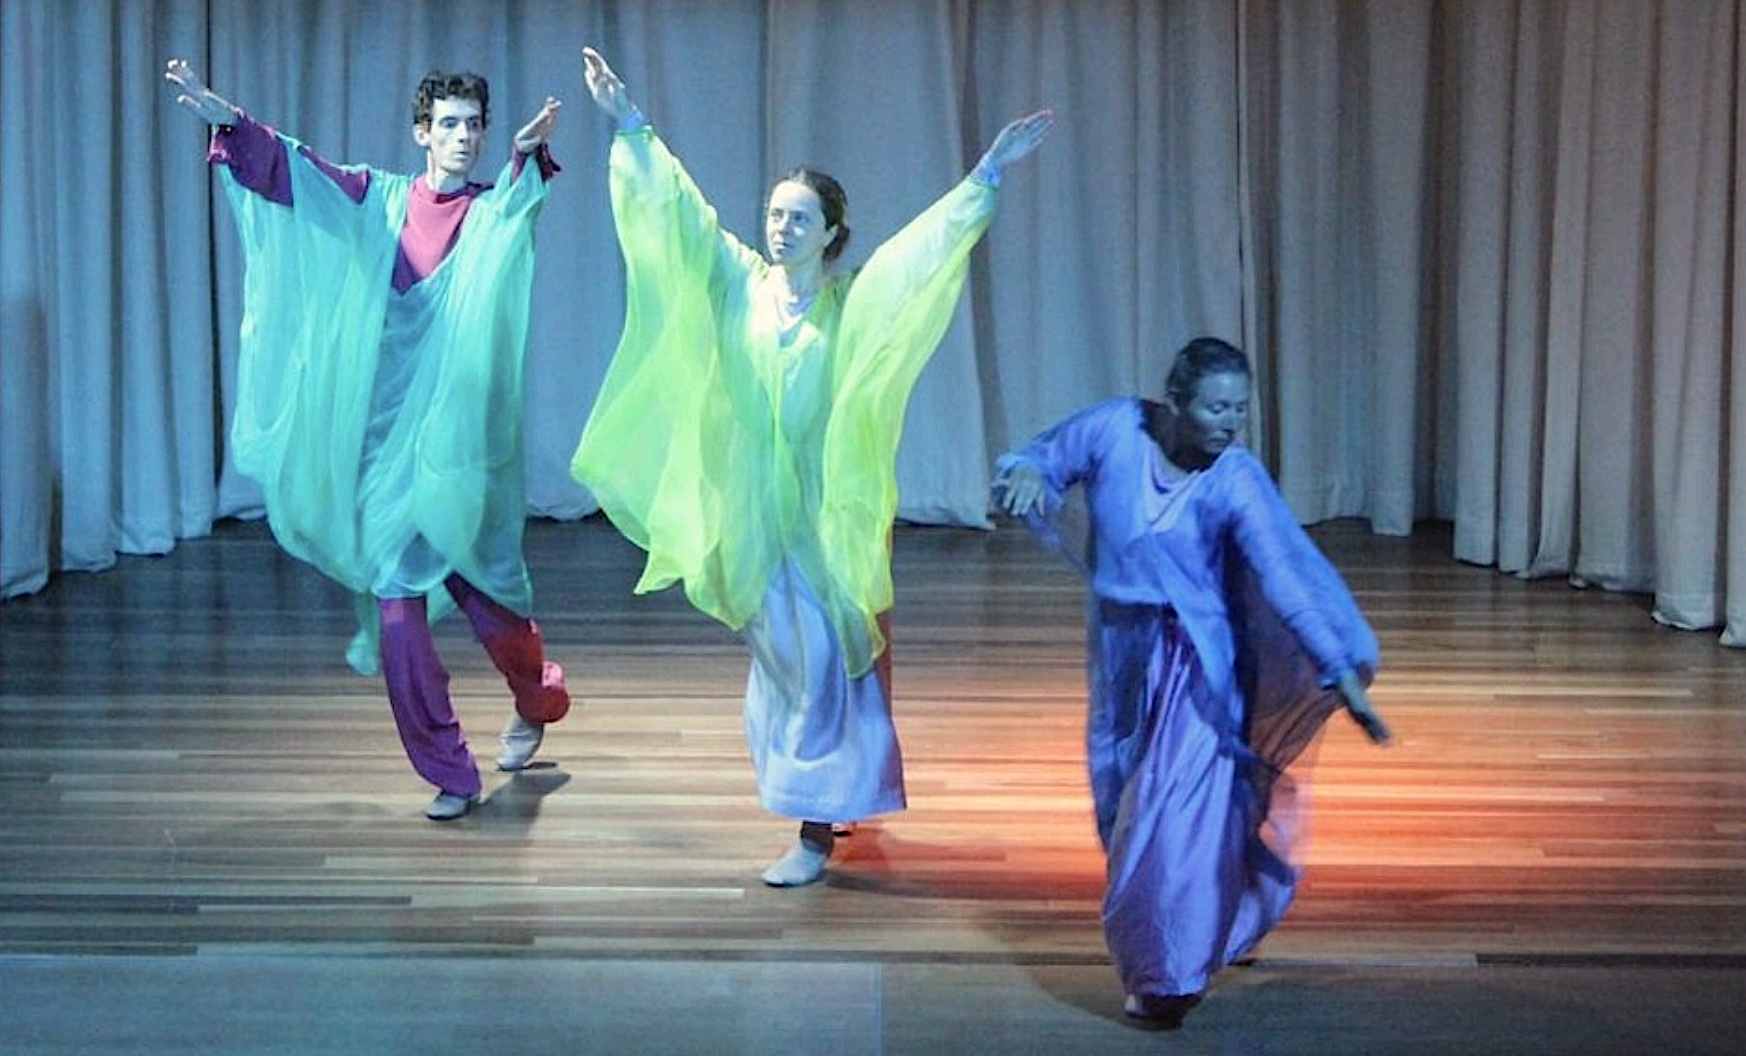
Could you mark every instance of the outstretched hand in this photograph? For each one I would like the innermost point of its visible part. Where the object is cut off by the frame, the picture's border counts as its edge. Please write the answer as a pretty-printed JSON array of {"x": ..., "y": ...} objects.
[
  {"x": 608, "y": 91},
  {"x": 193, "y": 94},
  {"x": 1019, "y": 490},
  {"x": 1017, "y": 140},
  {"x": 539, "y": 129}
]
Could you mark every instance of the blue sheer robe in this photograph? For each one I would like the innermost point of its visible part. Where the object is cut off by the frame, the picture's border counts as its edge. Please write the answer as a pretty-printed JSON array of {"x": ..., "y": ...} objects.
[{"x": 1215, "y": 631}]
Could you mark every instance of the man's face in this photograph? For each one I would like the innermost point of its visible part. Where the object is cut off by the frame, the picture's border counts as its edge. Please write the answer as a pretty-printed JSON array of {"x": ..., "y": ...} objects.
[{"x": 454, "y": 136}]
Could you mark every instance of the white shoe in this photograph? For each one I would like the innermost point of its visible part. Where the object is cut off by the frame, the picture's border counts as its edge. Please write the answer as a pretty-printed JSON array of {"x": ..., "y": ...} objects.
[
  {"x": 520, "y": 740},
  {"x": 804, "y": 863},
  {"x": 447, "y": 806}
]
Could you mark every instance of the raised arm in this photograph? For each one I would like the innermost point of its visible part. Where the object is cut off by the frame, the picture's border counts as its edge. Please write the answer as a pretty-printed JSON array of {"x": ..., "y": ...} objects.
[
  {"x": 533, "y": 141},
  {"x": 666, "y": 226},
  {"x": 259, "y": 159},
  {"x": 903, "y": 297}
]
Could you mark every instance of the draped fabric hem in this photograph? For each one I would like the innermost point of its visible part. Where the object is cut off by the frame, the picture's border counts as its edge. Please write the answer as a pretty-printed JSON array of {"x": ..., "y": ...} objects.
[{"x": 822, "y": 741}]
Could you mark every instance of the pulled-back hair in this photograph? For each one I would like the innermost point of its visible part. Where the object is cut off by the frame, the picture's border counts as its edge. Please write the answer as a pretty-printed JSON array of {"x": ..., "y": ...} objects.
[
  {"x": 438, "y": 84},
  {"x": 832, "y": 199},
  {"x": 1199, "y": 358}
]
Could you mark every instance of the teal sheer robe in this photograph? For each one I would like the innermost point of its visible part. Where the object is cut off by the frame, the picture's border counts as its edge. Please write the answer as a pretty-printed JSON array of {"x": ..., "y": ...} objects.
[{"x": 377, "y": 423}]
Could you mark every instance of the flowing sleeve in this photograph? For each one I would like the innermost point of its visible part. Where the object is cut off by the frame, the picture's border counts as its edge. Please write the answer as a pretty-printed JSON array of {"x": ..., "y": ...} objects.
[
  {"x": 896, "y": 311},
  {"x": 1067, "y": 452},
  {"x": 257, "y": 158},
  {"x": 314, "y": 288},
  {"x": 1299, "y": 584},
  {"x": 645, "y": 452},
  {"x": 1296, "y": 624}
]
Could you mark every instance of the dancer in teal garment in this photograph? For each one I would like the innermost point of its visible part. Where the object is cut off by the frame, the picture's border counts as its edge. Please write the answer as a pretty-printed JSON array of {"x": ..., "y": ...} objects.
[
  {"x": 746, "y": 437},
  {"x": 379, "y": 395}
]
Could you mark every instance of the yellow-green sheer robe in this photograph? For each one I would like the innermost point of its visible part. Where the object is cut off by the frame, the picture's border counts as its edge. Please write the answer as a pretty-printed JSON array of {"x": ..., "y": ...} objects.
[{"x": 720, "y": 448}]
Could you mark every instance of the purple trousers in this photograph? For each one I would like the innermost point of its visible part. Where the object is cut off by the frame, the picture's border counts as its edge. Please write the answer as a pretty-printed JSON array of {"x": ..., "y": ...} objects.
[{"x": 418, "y": 684}]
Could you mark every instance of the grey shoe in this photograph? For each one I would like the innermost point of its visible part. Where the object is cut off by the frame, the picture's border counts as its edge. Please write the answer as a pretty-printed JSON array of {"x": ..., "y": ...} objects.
[
  {"x": 447, "y": 806},
  {"x": 520, "y": 740}
]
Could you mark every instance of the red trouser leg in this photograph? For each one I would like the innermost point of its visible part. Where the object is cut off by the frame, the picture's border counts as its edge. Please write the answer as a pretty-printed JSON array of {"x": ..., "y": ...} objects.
[
  {"x": 513, "y": 643},
  {"x": 418, "y": 692}
]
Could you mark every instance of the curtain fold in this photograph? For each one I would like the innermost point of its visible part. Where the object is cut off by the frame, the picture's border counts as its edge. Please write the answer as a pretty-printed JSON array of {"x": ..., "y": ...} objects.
[
  {"x": 1484, "y": 254},
  {"x": 27, "y": 461}
]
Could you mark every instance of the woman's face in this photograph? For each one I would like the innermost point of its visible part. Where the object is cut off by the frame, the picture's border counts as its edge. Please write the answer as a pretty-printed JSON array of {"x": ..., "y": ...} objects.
[
  {"x": 1214, "y": 417},
  {"x": 794, "y": 226}
]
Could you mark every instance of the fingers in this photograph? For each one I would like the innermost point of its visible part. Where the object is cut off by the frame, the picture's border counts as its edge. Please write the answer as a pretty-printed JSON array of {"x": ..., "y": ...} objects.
[
  {"x": 194, "y": 95},
  {"x": 538, "y": 130},
  {"x": 178, "y": 73},
  {"x": 1372, "y": 725},
  {"x": 608, "y": 91},
  {"x": 596, "y": 64},
  {"x": 1019, "y": 138},
  {"x": 1000, "y": 496},
  {"x": 1035, "y": 124},
  {"x": 1029, "y": 131},
  {"x": 1358, "y": 705},
  {"x": 595, "y": 68},
  {"x": 1017, "y": 496}
]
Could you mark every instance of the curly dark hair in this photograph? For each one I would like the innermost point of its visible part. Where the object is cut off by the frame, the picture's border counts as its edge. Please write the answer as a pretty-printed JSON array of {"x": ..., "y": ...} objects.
[{"x": 438, "y": 84}]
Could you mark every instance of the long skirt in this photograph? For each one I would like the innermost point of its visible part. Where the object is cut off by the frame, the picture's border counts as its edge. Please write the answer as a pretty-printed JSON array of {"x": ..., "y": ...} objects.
[
  {"x": 1197, "y": 831},
  {"x": 822, "y": 743}
]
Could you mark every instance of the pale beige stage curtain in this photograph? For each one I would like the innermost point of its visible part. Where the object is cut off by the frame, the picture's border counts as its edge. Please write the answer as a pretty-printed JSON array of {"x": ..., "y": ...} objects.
[{"x": 1486, "y": 254}]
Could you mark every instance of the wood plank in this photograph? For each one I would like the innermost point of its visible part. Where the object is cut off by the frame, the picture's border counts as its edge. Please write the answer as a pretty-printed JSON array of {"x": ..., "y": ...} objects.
[{"x": 186, "y": 765}]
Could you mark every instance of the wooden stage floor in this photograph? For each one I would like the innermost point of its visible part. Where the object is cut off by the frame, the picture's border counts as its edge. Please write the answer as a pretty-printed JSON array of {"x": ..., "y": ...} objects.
[{"x": 188, "y": 770}]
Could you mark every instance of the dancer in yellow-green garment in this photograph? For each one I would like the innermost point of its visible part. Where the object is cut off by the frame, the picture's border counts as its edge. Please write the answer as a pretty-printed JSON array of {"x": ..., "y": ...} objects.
[{"x": 746, "y": 437}]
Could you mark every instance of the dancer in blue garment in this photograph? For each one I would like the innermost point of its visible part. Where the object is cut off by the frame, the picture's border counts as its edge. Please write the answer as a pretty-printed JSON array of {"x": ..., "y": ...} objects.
[
  {"x": 379, "y": 395},
  {"x": 1219, "y": 641}
]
